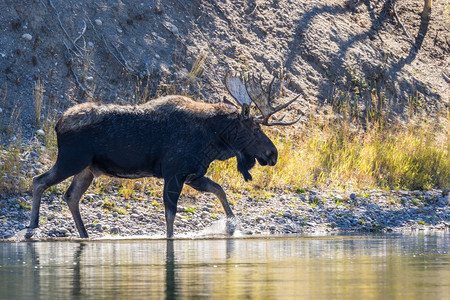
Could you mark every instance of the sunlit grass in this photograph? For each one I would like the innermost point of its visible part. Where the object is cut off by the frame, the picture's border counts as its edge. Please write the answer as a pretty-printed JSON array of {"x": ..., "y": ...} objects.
[{"x": 335, "y": 153}]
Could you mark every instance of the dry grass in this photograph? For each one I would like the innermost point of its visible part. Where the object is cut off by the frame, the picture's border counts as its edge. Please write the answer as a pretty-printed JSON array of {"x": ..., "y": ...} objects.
[
  {"x": 38, "y": 94},
  {"x": 338, "y": 153}
]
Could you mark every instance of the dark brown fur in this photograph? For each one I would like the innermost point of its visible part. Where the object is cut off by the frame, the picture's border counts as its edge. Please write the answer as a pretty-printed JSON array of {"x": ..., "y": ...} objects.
[{"x": 173, "y": 137}]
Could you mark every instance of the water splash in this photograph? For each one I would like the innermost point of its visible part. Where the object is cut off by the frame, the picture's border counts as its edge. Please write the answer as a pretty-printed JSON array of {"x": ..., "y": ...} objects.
[
  {"x": 21, "y": 235},
  {"x": 218, "y": 229}
]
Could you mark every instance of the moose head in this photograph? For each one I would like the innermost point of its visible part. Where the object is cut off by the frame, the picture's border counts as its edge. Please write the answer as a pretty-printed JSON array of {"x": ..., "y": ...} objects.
[{"x": 246, "y": 89}]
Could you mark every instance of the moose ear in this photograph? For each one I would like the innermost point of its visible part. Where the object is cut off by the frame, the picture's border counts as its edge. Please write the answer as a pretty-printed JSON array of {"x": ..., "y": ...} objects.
[
  {"x": 225, "y": 100},
  {"x": 245, "y": 111}
]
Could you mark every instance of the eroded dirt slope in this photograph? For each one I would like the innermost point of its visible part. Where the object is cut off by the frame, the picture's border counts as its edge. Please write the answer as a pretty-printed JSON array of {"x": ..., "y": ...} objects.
[{"x": 128, "y": 51}]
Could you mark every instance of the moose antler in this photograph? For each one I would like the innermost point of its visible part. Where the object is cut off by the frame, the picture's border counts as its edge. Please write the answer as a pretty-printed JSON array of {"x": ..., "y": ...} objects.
[{"x": 246, "y": 89}]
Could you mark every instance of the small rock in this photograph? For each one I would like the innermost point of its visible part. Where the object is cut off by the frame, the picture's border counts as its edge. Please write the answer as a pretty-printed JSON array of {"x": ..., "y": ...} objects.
[
  {"x": 99, "y": 215},
  {"x": 272, "y": 227},
  {"x": 353, "y": 196},
  {"x": 174, "y": 29},
  {"x": 1, "y": 110},
  {"x": 287, "y": 214},
  {"x": 114, "y": 230},
  {"x": 98, "y": 22},
  {"x": 27, "y": 36},
  {"x": 40, "y": 132},
  {"x": 119, "y": 30},
  {"x": 444, "y": 200},
  {"x": 288, "y": 229},
  {"x": 63, "y": 232},
  {"x": 157, "y": 56},
  {"x": 259, "y": 219},
  {"x": 99, "y": 227}
]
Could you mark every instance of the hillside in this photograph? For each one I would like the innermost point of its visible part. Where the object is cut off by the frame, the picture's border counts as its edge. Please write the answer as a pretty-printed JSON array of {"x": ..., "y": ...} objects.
[{"x": 131, "y": 51}]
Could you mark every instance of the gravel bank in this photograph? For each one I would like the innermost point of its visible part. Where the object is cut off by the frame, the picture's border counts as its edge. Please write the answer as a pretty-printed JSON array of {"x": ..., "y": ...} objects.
[{"x": 307, "y": 212}]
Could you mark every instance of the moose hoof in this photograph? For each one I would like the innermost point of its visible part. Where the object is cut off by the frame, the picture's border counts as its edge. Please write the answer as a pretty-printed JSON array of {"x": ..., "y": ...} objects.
[
  {"x": 30, "y": 232},
  {"x": 231, "y": 225}
]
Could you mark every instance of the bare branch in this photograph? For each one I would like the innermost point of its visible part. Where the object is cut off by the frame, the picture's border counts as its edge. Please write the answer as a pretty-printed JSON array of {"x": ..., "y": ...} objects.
[
  {"x": 403, "y": 26},
  {"x": 82, "y": 33},
  {"x": 69, "y": 62},
  {"x": 123, "y": 63},
  {"x": 64, "y": 30}
]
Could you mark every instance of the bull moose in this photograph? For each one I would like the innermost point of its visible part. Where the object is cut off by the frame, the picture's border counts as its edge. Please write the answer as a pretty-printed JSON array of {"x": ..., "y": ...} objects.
[{"x": 172, "y": 137}]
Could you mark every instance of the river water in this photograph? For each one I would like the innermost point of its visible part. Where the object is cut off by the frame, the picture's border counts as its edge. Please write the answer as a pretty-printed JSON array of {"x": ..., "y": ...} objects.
[{"x": 413, "y": 266}]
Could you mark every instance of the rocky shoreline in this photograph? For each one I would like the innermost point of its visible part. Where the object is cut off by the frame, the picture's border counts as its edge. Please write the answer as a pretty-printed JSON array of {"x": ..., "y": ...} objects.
[{"x": 202, "y": 215}]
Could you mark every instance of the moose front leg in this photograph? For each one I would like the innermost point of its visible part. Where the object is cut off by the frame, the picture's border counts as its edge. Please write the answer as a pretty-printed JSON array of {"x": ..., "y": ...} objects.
[
  {"x": 80, "y": 184},
  {"x": 172, "y": 189},
  {"x": 204, "y": 184}
]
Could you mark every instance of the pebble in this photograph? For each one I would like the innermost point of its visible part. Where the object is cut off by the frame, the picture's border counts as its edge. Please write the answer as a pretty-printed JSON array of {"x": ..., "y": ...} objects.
[
  {"x": 98, "y": 22},
  {"x": 114, "y": 230},
  {"x": 281, "y": 214},
  {"x": 174, "y": 29},
  {"x": 27, "y": 36},
  {"x": 287, "y": 214},
  {"x": 40, "y": 132},
  {"x": 444, "y": 200},
  {"x": 353, "y": 196}
]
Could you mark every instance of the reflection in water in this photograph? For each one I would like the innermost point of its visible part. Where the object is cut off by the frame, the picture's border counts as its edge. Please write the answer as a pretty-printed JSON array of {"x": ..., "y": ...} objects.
[
  {"x": 415, "y": 266},
  {"x": 171, "y": 285},
  {"x": 76, "y": 282}
]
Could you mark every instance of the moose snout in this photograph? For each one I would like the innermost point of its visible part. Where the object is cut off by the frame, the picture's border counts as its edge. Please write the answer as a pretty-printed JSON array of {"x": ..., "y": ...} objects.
[
  {"x": 269, "y": 157},
  {"x": 272, "y": 157}
]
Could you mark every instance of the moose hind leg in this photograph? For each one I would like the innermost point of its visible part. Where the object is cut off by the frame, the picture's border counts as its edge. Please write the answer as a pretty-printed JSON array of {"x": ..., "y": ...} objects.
[
  {"x": 40, "y": 184},
  {"x": 79, "y": 185},
  {"x": 62, "y": 169},
  {"x": 204, "y": 184}
]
